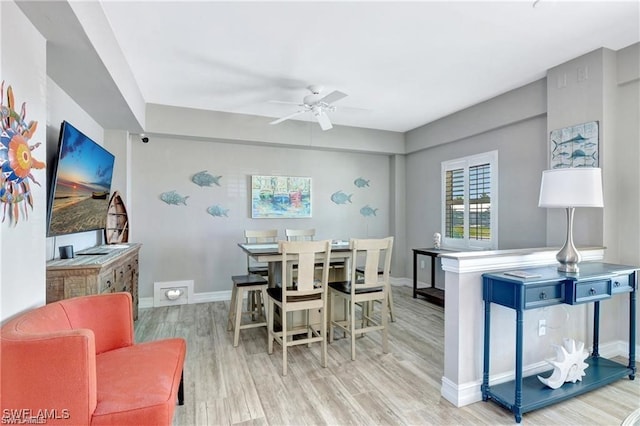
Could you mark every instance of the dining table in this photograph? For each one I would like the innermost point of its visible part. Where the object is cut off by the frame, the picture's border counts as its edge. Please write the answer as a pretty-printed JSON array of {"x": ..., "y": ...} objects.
[{"x": 268, "y": 253}]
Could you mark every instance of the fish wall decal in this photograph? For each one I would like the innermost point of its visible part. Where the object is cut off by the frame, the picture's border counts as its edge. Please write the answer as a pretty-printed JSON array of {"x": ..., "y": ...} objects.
[
  {"x": 217, "y": 211},
  {"x": 368, "y": 211},
  {"x": 204, "y": 178},
  {"x": 361, "y": 182},
  {"x": 340, "y": 197},
  {"x": 172, "y": 197}
]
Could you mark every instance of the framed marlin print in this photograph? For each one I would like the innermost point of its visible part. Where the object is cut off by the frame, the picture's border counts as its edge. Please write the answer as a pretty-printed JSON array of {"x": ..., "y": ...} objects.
[{"x": 574, "y": 146}]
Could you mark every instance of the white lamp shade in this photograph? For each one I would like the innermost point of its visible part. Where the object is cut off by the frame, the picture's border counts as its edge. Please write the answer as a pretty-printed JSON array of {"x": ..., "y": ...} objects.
[{"x": 571, "y": 187}]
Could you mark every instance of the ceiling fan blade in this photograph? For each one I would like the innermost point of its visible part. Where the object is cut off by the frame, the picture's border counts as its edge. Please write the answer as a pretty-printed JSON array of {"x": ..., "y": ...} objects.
[
  {"x": 280, "y": 120},
  {"x": 286, "y": 103},
  {"x": 323, "y": 120},
  {"x": 334, "y": 96}
]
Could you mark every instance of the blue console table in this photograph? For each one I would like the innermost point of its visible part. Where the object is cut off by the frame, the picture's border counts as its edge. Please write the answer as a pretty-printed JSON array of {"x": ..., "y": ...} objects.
[{"x": 545, "y": 287}]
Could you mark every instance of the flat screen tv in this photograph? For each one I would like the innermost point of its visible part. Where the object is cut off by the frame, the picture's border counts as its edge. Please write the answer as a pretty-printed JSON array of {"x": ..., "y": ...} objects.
[{"x": 81, "y": 183}]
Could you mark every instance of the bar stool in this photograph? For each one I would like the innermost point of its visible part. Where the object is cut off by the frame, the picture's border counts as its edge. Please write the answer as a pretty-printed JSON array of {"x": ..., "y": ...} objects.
[{"x": 251, "y": 285}]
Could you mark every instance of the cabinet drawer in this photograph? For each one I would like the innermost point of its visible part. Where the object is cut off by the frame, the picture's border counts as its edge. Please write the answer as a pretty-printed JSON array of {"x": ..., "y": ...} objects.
[
  {"x": 539, "y": 296},
  {"x": 107, "y": 282},
  {"x": 589, "y": 291},
  {"x": 620, "y": 284}
]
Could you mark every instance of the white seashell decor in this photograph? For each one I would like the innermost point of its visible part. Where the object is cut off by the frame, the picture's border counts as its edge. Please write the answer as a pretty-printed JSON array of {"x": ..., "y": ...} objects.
[{"x": 569, "y": 364}]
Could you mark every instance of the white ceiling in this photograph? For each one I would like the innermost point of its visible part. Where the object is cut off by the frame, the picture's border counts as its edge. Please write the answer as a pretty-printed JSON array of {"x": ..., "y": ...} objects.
[{"x": 403, "y": 64}]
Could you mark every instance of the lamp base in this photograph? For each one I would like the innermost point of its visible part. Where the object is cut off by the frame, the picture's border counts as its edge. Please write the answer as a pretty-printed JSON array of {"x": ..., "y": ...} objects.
[
  {"x": 569, "y": 268},
  {"x": 568, "y": 256}
]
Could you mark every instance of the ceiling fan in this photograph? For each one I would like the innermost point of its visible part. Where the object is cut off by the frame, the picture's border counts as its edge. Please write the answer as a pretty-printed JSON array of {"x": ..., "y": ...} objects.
[{"x": 317, "y": 104}]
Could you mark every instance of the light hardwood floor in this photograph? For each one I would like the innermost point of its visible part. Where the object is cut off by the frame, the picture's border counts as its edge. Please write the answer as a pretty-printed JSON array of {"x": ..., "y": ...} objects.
[{"x": 226, "y": 385}]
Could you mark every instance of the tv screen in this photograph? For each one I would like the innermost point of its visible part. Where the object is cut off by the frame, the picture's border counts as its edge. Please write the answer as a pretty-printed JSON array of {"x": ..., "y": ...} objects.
[{"x": 79, "y": 195}]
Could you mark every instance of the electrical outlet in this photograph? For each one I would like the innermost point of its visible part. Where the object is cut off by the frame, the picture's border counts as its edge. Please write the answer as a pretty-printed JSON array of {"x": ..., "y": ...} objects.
[
  {"x": 542, "y": 327},
  {"x": 422, "y": 264}
]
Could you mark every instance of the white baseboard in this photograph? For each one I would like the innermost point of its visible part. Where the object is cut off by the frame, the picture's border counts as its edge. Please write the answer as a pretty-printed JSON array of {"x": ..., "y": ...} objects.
[
  {"x": 401, "y": 282},
  {"x": 460, "y": 395},
  {"x": 210, "y": 296},
  {"x": 218, "y": 296}
]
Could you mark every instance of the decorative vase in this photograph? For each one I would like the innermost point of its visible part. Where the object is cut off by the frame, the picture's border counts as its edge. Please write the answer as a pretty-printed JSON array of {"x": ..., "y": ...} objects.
[{"x": 437, "y": 238}]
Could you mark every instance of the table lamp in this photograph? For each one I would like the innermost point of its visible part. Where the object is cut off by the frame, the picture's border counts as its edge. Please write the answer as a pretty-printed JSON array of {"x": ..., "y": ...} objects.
[{"x": 570, "y": 188}]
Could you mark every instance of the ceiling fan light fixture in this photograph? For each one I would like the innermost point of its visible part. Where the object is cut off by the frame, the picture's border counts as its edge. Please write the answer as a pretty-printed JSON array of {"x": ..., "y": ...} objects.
[{"x": 318, "y": 104}]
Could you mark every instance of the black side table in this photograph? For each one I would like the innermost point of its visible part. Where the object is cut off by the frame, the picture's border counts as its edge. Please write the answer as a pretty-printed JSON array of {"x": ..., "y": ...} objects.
[{"x": 432, "y": 294}]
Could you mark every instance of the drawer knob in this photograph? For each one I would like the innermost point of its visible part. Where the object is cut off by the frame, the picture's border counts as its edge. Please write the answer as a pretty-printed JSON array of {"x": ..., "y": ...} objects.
[
  {"x": 543, "y": 296},
  {"x": 592, "y": 291},
  {"x": 616, "y": 283}
]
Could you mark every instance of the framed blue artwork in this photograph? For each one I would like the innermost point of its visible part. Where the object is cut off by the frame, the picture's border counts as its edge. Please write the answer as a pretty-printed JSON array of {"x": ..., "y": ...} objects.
[
  {"x": 280, "y": 197},
  {"x": 574, "y": 146}
]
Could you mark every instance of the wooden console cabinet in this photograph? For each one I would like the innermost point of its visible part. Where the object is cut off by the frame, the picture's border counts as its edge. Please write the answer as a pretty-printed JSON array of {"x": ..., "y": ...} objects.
[{"x": 101, "y": 269}]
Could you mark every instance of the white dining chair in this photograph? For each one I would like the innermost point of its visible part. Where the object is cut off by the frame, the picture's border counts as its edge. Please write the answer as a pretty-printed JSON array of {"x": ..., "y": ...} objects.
[
  {"x": 372, "y": 287},
  {"x": 300, "y": 234},
  {"x": 304, "y": 293},
  {"x": 256, "y": 237}
]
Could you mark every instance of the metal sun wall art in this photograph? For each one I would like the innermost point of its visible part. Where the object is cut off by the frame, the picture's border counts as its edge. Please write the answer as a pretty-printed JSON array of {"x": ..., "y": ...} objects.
[
  {"x": 16, "y": 161},
  {"x": 574, "y": 146},
  {"x": 280, "y": 197}
]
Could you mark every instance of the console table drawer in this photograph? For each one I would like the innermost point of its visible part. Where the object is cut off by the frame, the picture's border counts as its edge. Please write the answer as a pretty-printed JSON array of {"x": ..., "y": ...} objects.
[
  {"x": 589, "y": 291},
  {"x": 536, "y": 297},
  {"x": 620, "y": 284}
]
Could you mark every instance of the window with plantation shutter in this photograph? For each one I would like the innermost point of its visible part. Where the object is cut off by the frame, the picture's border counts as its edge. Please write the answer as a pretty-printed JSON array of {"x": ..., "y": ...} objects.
[
  {"x": 469, "y": 201},
  {"x": 454, "y": 201}
]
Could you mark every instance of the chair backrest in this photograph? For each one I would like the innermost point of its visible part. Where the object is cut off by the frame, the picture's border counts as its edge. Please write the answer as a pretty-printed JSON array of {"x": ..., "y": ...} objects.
[
  {"x": 377, "y": 252},
  {"x": 261, "y": 236},
  {"x": 305, "y": 254},
  {"x": 300, "y": 234}
]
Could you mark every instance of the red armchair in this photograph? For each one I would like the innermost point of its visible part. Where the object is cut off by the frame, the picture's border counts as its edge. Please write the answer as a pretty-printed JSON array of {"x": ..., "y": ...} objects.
[{"x": 75, "y": 362}]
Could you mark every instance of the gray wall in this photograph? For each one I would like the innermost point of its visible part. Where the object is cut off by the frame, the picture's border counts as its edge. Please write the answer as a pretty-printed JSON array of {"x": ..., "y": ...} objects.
[
  {"x": 186, "y": 243},
  {"x": 62, "y": 107},
  {"x": 627, "y": 157},
  {"x": 22, "y": 245},
  {"x": 515, "y": 125}
]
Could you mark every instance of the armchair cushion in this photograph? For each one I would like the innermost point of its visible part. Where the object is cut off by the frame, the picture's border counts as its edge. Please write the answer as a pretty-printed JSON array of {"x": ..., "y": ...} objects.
[
  {"x": 77, "y": 358},
  {"x": 137, "y": 383}
]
